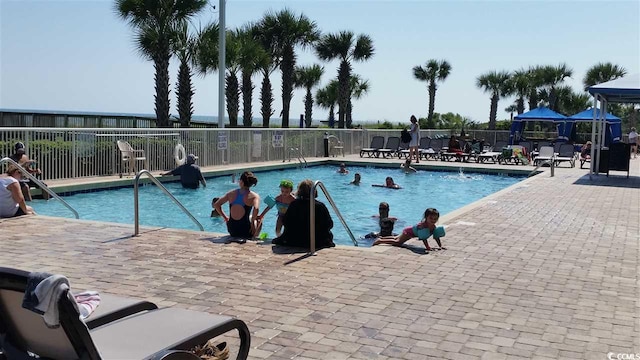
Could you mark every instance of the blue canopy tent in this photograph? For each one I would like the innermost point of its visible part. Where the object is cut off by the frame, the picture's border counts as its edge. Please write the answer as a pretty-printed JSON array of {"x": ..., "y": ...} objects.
[
  {"x": 539, "y": 114},
  {"x": 613, "y": 134},
  {"x": 625, "y": 90}
]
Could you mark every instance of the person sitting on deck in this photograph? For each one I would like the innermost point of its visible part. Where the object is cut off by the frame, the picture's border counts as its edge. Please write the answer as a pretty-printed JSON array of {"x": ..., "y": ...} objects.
[{"x": 298, "y": 217}]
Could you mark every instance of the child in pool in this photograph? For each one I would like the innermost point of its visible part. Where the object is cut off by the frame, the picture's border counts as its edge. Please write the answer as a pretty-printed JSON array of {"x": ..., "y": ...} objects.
[
  {"x": 214, "y": 212},
  {"x": 342, "y": 169},
  {"x": 385, "y": 221},
  {"x": 406, "y": 167},
  {"x": 282, "y": 202},
  {"x": 423, "y": 230}
]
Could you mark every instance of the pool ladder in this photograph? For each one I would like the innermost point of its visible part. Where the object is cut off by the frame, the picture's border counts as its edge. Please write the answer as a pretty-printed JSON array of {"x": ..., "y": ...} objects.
[
  {"x": 299, "y": 156},
  {"x": 43, "y": 187},
  {"x": 136, "y": 211},
  {"x": 312, "y": 216}
]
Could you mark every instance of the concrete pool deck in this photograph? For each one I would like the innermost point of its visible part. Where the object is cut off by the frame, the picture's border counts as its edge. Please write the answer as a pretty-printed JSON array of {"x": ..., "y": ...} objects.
[{"x": 546, "y": 269}]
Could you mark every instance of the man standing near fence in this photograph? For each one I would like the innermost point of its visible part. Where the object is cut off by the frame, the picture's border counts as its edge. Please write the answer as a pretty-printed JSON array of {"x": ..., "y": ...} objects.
[{"x": 190, "y": 174}]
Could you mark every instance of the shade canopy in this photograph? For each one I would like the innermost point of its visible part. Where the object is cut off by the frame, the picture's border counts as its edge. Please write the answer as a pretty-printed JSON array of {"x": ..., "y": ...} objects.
[
  {"x": 566, "y": 127},
  {"x": 623, "y": 90},
  {"x": 587, "y": 115},
  {"x": 539, "y": 114}
]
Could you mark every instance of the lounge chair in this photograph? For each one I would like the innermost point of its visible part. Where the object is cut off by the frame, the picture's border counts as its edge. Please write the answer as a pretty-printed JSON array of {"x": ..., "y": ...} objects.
[
  {"x": 154, "y": 334},
  {"x": 436, "y": 149},
  {"x": 377, "y": 142},
  {"x": 390, "y": 149},
  {"x": 546, "y": 153},
  {"x": 130, "y": 157},
  {"x": 494, "y": 155},
  {"x": 424, "y": 148},
  {"x": 566, "y": 153}
]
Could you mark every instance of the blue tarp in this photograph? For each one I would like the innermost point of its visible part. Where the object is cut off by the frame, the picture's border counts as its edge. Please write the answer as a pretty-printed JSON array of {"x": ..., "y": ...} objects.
[
  {"x": 614, "y": 125},
  {"x": 539, "y": 114}
]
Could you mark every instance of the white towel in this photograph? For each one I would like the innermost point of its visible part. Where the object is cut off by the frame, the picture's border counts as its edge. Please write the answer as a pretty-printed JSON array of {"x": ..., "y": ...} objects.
[{"x": 48, "y": 293}]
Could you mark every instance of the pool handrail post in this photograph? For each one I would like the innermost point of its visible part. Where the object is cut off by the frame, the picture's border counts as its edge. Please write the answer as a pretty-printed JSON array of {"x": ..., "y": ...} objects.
[
  {"x": 42, "y": 185},
  {"x": 136, "y": 181},
  {"x": 312, "y": 216}
]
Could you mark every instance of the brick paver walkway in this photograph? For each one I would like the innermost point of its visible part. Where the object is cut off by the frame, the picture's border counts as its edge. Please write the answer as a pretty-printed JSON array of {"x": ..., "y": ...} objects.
[{"x": 547, "y": 269}]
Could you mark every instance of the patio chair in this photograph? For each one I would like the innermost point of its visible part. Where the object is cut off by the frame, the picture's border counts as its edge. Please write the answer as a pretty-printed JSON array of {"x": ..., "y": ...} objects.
[
  {"x": 377, "y": 142},
  {"x": 436, "y": 149},
  {"x": 390, "y": 149},
  {"x": 335, "y": 146},
  {"x": 494, "y": 155},
  {"x": 566, "y": 153},
  {"x": 130, "y": 157},
  {"x": 424, "y": 148},
  {"x": 154, "y": 334},
  {"x": 546, "y": 153}
]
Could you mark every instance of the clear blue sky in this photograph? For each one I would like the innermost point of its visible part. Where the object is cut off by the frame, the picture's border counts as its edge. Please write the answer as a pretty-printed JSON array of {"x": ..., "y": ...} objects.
[{"x": 77, "y": 55}]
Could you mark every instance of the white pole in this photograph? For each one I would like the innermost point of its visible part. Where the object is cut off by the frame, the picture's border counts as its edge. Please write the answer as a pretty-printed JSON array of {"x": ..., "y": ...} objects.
[
  {"x": 594, "y": 166},
  {"x": 222, "y": 68}
]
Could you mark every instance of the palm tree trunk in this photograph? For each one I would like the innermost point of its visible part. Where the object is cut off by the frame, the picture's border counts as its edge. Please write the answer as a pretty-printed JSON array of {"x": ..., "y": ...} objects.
[
  {"x": 286, "y": 66},
  {"x": 533, "y": 99},
  {"x": 349, "y": 109},
  {"x": 493, "y": 112},
  {"x": 266, "y": 98},
  {"x": 233, "y": 99},
  {"x": 332, "y": 118},
  {"x": 247, "y": 91},
  {"x": 184, "y": 94},
  {"x": 344, "y": 74},
  {"x": 432, "y": 99},
  {"x": 161, "y": 64},
  {"x": 553, "y": 99},
  {"x": 520, "y": 105},
  {"x": 308, "y": 107}
]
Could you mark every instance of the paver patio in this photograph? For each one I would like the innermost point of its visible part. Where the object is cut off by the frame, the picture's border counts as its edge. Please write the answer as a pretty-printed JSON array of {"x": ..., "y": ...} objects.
[{"x": 546, "y": 269}]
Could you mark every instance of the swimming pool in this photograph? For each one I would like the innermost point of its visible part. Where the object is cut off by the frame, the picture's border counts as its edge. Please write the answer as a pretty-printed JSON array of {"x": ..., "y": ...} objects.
[{"x": 446, "y": 191}]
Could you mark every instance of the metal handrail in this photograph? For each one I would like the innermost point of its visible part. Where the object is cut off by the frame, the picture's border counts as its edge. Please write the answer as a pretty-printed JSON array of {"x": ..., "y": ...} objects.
[
  {"x": 136, "y": 182},
  {"x": 299, "y": 156},
  {"x": 551, "y": 163},
  {"x": 43, "y": 187},
  {"x": 312, "y": 216}
]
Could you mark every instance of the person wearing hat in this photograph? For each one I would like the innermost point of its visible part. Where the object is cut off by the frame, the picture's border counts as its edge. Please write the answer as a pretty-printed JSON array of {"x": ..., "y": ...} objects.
[
  {"x": 12, "y": 202},
  {"x": 21, "y": 158},
  {"x": 190, "y": 174}
]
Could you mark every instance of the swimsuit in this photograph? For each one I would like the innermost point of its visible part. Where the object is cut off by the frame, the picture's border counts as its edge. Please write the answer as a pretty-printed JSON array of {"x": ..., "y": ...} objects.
[
  {"x": 424, "y": 233},
  {"x": 242, "y": 227},
  {"x": 282, "y": 208}
]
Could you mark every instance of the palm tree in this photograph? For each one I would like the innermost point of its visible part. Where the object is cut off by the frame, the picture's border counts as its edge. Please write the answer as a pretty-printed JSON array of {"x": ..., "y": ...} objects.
[
  {"x": 154, "y": 22},
  {"x": 534, "y": 76},
  {"x": 357, "y": 88},
  {"x": 434, "y": 71},
  {"x": 571, "y": 102},
  {"x": 511, "y": 109},
  {"x": 307, "y": 77},
  {"x": 286, "y": 31},
  {"x": 552, "y": 76},
  {"x": 327, "y": 98},
  {"x": 602, "y": 72},
  {"x": 519, "y": 86},
  {"x": 268, "y": 62},
  {"x": 184, "y": 48},
  {"x": 249, "y": 59},
  {"x": 495, "y": 83},
  {"x": 232, "y": 87},
  {"x": 345, "y": 47}
]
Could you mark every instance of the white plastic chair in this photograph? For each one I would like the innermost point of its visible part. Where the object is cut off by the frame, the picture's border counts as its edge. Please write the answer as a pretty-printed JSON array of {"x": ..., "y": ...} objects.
[{"x": 130, "y": 157}]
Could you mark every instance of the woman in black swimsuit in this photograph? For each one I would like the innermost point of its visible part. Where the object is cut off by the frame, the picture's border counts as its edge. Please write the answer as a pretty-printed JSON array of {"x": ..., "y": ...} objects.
[{"x": 243, "y": 208}]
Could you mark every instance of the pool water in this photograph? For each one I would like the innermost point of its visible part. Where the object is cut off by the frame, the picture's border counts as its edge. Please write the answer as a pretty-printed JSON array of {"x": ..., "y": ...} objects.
[{"x": 445, "y": 191}]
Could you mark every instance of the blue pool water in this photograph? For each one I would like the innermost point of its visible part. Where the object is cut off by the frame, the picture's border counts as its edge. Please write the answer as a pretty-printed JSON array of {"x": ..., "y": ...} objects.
[{"x": 446, "y": 191}]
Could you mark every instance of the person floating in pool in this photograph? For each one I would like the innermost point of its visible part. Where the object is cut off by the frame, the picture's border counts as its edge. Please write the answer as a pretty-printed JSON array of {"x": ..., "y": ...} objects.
[
  {"x": 243, "y": 208},
  {"x": 385, "y": 221},
  {"x": 388, "y": 183},
  {"x": 342, "y": 169},
  {"x": 423, "y": 230},
  {"x": 281, "y": 203},
  {"x": 190, "y": 174},
  {"x": 356, "y": 179},
  {"x": 406, "y": 167},
  {"x": 297, "y": 221}
]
